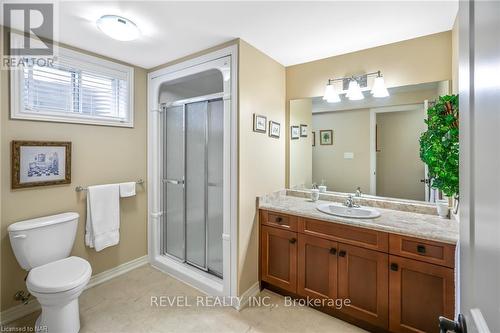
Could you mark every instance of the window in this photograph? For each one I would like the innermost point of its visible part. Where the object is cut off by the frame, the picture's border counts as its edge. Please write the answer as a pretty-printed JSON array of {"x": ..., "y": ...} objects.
[{"x": 78, "y": 88}]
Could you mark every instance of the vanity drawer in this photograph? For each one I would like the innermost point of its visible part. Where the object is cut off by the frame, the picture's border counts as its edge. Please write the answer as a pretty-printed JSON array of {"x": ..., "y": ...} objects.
[
  {"x": 362, "y": 237},
  {"x": 278, "y": 220},
  {"x": 423, "y": 250}
]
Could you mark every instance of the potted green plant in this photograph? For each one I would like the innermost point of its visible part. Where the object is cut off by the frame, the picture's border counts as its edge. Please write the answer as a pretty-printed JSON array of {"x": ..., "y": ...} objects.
[{"x": 439, "y": 146}]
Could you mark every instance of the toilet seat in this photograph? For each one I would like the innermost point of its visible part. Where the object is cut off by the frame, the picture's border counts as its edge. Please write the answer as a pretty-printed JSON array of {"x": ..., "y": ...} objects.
[{"x": 59, "y": 276}]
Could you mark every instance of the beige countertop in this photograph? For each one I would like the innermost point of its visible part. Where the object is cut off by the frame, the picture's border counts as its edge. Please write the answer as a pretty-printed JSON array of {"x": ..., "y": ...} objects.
[{"x": 411, "y": 224}]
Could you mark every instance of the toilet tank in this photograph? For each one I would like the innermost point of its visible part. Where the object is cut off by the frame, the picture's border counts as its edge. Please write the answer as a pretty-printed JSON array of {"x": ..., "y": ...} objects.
[{"x": 38, "y": 241}]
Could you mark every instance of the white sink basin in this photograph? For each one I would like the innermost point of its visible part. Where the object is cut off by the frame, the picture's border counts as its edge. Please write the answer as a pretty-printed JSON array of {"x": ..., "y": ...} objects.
[{"x": 354, "y": 212}]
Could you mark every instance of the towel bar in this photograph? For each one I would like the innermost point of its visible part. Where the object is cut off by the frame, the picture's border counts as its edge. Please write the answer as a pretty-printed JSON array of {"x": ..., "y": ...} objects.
[{"x": 81, "y": 188}]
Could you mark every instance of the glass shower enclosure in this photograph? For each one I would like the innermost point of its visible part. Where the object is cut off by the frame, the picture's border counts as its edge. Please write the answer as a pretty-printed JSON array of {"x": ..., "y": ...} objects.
[{"x": 193, "y": 182}]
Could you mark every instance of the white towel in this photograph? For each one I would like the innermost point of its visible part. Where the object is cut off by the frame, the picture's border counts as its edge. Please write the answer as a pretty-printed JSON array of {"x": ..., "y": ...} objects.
[
  {"x": 103, "y": 216},
  {"x": 127, "y": 189}
]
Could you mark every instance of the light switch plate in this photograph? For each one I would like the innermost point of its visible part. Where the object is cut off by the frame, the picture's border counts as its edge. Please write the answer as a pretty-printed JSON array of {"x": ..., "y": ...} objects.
[{"x": 348, "y": 156}]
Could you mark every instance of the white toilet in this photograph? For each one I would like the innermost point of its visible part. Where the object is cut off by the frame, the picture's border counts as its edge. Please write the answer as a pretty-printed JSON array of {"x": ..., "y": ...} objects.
[{"x": 42, "y": 247}]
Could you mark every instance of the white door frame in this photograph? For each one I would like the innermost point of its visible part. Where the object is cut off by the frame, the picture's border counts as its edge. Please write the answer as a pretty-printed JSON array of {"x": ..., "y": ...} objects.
[
  {"x": 225, "y": 60},
  {"x": 373, "y": 124}
]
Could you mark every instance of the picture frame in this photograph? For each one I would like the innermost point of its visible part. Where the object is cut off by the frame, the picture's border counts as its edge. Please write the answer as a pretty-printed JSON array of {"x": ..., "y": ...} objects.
[
  {"x": 313, "y": 139},
  {"x": 294, "y": 132},
  {"x": 259, "y": 123},
  {"x": 40, "y": 163},
  {"x": 274, "y": 129},
  {"x": 326, "y": 137},
  {"x": 303, "y": 131}
]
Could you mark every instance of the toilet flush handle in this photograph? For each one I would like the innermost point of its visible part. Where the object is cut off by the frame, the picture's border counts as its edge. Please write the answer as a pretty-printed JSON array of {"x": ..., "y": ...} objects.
[{"x": 20, "y": 236}]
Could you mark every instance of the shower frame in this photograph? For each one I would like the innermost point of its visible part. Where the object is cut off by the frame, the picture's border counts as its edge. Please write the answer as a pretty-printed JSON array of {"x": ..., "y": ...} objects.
[{"x": 224, "y": 60}]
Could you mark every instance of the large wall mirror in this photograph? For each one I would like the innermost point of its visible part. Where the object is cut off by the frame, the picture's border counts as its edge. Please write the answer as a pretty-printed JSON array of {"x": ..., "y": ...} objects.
[{"x": 371, "y": 143}]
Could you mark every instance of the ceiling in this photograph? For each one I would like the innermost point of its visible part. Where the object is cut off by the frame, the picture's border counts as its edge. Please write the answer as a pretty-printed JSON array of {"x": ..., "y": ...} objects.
[{"x": 289, "y": 32}]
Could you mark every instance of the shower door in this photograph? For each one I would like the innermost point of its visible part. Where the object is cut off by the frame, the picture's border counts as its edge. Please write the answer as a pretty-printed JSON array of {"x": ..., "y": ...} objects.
[{"x": 192, "y": 169}]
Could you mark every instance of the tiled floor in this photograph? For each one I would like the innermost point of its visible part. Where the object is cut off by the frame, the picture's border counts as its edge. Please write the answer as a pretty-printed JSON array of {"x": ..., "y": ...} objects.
[{"x": 124, "y": 305}]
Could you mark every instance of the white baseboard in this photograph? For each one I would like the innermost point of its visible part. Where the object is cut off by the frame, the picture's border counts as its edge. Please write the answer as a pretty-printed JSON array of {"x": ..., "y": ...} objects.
[
  {"x": 253, "y": 291},
  {"x": 22, "y": 310},
  {"x": 19, "y": 311},
  {"x": 116, "y": 271}
]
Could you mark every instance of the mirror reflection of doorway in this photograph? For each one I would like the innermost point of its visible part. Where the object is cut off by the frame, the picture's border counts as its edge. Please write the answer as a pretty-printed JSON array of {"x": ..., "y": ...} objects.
[{"x": 399, "y": 170}]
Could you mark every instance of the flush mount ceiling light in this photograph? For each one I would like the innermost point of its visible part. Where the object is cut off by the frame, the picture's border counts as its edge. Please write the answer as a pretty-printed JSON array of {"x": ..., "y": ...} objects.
[
  {"x": 353, "y": 86},
  {"x": 118, "y": 27}
]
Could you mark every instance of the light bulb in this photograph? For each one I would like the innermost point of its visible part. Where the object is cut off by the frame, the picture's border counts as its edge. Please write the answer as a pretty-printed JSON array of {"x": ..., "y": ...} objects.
[
  {"x": 379, "y": 89},
  {"x": 331, "y": 96},
  {"x": 354, "y": 91}
]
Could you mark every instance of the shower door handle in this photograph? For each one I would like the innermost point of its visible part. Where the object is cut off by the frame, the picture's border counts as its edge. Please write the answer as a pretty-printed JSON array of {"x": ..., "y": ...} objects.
[{"x": 174, "y": 181}]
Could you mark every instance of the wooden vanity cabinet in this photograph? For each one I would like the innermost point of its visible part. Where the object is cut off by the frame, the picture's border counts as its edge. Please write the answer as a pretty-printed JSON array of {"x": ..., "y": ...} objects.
[
  {"x": 317, "y": 267},
  {"x": 394, "y": 283},
  {"x": 279, "y": 258},
  {"x": 419, "y": 293},
  {"x": 363, "y": 278}
]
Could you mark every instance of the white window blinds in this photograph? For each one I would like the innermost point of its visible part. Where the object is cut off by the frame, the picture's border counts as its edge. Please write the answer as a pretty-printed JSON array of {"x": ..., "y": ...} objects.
[{"x": 77, "y": 88}]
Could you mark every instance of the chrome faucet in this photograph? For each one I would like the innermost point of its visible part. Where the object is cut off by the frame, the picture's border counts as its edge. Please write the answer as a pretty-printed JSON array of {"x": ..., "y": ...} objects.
[
  {"x": 350, "y": 202},
  {"x": 358, "y": 192}
]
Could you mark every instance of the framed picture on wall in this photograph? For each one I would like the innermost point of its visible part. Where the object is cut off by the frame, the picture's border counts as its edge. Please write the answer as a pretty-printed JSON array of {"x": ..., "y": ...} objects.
[
  {"x": 326, "y": 137},
  {"x": 303, "y": 131},
  {"x": 40, "y": 163},
  {"x": 295, "y": 132},
  {"x": 313, "y": 138},
  {"x": 274, "y": 129},
  {"x": 259, "y": 123}
]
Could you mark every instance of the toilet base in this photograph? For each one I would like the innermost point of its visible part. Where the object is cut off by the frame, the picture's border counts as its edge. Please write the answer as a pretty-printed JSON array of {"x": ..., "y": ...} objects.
[{"x": 59, "y": 319}]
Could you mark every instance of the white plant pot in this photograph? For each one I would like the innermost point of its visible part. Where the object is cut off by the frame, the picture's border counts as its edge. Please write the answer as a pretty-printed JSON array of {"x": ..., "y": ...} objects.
[{"x": 442, "y": 208}]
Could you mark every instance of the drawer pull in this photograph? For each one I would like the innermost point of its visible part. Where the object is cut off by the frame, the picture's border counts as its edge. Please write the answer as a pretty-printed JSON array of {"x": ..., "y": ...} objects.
[
  {"x": 333, "y": 251},
  {"x": 342, "y": 253},
  {"x": 421, "y": 249},
  {"x": 293, "y": 240},
  {"x": 279, "y": 220},
  {"x": 394, "y": 267}
]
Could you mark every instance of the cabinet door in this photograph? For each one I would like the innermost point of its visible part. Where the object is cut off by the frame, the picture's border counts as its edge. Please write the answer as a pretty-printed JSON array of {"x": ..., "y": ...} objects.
[
  {"x": 419, "y": 293},
  {"x": 317, "y": 267},
  {"x": 279, "y": 258},
  {"x": 363, "y": 278}
]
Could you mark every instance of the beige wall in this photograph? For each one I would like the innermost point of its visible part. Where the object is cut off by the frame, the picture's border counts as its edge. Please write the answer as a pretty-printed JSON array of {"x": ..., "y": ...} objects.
[
  {"x": 351, "y": 133},
  {"x": 399, "y": 168},
  {"x": 301, "y": 149},
  {"x": 100, "y": 155},
  {"x": 261, "y": 158}
]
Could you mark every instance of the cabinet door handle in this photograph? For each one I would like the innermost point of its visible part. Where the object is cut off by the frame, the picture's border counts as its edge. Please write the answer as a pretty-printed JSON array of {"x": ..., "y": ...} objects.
[
  {"x": 342, "y": 253},
  {"x": 293, "y": 240},
  {"x": 394, "y": 267},
  {"x": 278, "y": 220},
  {"x": 421, "y": 248},
  {"x": 333, "y": 251}
]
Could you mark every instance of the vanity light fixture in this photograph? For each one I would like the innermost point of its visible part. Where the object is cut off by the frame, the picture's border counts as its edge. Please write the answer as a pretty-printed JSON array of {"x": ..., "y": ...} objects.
[
  {"x": 117, "y": 27},
  {"x": 354, "y": 84}
]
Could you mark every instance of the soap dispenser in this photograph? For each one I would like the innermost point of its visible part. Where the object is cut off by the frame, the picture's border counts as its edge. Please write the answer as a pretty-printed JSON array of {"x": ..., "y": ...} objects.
[{"x": 314, "y": 192}]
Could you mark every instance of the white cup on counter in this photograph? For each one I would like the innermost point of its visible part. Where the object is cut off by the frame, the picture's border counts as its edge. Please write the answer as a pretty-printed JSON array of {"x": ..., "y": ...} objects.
[{"x": 322, "y": 188}]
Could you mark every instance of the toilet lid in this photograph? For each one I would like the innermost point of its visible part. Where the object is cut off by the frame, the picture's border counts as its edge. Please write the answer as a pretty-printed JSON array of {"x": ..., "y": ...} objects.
[{"x": 60, "y": 275}]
